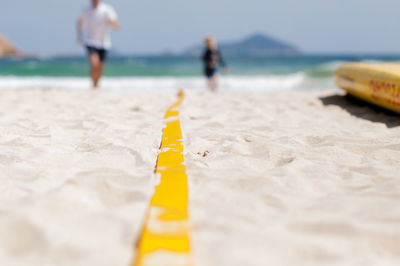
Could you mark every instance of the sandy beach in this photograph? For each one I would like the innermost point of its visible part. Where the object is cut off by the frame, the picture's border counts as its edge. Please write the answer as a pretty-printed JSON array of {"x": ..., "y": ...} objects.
[{"x": 279, "y": 178}]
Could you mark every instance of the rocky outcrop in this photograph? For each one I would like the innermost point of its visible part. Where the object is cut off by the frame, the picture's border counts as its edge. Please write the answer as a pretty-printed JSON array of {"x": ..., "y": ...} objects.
[{"x": 7, "y": 49}]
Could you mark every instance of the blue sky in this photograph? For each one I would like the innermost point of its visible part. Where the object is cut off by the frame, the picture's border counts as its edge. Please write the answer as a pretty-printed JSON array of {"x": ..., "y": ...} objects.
[{"x": 315, "y": 26}]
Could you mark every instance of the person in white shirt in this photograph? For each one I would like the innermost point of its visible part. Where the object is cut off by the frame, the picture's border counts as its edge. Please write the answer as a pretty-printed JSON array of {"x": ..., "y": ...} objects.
[{"x": 93, "y": 24}]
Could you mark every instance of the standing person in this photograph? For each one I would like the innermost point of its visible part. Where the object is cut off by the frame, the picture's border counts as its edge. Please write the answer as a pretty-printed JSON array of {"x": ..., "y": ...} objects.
[
  {"x": 93, "y": 25},
  {"x": 212, "y": 59}
]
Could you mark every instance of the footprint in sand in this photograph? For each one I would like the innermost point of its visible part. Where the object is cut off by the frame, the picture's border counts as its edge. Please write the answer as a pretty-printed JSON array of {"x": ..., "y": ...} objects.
[
  {"x": 7, "y": 159},
  {"x": 112, "y": 187},
  {"x": 285, "y": 161},
  {"x": 314, "y": 140},
  {"x": 19, "y": 237},
  {"x": 136, "y": 109}
]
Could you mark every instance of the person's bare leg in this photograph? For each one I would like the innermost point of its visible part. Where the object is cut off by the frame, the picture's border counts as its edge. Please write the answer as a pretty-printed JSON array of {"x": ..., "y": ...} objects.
[
  {"x": 213, "y": 83},
  {"x": 96, "y": 69},
  {"x": 210, "y": 84},
  {"x": 99, "y": 73}
]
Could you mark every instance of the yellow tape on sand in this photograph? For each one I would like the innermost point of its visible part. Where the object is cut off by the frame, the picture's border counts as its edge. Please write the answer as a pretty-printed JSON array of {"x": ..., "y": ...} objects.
[{"x": 165, "y": 239}]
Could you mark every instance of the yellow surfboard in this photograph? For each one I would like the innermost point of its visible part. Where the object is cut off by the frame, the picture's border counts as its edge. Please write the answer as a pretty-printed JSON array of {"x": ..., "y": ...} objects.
[{"x": 377, "y": 83}]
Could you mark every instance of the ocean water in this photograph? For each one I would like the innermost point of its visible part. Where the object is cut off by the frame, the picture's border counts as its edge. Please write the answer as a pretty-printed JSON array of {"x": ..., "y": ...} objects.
[{"x": 172, "y": 72}]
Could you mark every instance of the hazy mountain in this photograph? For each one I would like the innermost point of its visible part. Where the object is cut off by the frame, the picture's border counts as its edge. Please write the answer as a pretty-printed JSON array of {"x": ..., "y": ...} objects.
[
  {"x": 7, "y": 49},
  {"x": 254, "y": 45}
]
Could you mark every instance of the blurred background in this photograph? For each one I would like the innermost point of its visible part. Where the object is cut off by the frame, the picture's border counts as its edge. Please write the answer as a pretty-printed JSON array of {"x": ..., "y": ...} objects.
[{"x": 267, "y": 45}]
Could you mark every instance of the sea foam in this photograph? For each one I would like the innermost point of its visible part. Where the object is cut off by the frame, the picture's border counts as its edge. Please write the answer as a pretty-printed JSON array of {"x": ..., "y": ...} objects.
[{"x": 235, "y": 83}]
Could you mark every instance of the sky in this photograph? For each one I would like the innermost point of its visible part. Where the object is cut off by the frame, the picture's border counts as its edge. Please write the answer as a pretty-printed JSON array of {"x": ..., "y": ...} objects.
[{"x": 314, "y": 26}]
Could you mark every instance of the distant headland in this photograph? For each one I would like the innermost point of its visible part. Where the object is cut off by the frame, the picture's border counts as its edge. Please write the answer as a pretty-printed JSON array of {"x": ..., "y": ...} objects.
[
  {"x": 254, "y": 45},
  {"x": 10, "y": 50},
  {"x": 7, "y": 49}
]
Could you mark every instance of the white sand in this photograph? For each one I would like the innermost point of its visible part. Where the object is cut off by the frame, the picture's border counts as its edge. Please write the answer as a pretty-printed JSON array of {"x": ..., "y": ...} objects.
[
  {"x": 285, "y": 179},
  {"x": 75, "y": 175},
  {"x": 289, "y": 181}
]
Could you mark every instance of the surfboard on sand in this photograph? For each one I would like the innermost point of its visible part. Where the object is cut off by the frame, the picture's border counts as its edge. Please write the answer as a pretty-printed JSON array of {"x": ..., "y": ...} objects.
[{"x": 377, "y": 83}]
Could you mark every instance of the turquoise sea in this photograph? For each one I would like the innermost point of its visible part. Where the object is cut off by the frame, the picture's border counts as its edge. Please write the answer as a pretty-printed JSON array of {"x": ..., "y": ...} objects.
[{"x": 159, "y": 72}]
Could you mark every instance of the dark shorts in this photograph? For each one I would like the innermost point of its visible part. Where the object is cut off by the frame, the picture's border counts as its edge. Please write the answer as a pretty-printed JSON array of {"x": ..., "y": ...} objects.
[
  {"x": 210, "y": 72},
  {"x": 101, "y": 52}
]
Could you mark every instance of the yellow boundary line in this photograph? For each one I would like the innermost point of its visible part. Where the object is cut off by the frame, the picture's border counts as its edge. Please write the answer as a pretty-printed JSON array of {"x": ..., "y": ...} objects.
[{"x": 165, "y": 238}]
